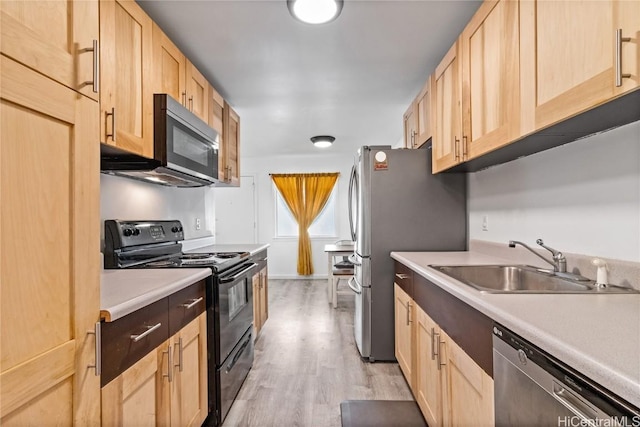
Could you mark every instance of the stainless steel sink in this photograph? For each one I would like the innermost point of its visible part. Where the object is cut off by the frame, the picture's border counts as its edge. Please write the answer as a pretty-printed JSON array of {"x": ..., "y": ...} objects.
[{"x": 522, "y": 279}]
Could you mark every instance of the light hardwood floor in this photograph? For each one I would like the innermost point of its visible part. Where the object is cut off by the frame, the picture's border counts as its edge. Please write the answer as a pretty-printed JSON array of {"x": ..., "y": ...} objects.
[{"x": 306, "y": 362}]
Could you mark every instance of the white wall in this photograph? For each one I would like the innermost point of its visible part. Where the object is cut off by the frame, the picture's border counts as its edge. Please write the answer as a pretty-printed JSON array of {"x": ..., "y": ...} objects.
[
  {"x": 124, "y": 198},
  {"x": 582, "y": 198},
  {"x": 283, "y": 252}
]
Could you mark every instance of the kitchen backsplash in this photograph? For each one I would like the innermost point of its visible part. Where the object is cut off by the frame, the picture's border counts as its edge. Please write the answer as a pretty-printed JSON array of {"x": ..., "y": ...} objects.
[
  {"x": 621, "y": 273},
  {"x": 124, "y": 198}
]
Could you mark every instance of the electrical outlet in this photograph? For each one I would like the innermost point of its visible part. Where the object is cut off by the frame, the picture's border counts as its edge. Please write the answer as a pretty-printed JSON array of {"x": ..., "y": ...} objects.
[
  {"x": 485, "y": 223},
  {"x": 198, "y": 224}
]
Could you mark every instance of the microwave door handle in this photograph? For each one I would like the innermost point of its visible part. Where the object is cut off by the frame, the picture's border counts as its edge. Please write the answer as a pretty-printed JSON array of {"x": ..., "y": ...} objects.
[{"x": 240, "y": 273}]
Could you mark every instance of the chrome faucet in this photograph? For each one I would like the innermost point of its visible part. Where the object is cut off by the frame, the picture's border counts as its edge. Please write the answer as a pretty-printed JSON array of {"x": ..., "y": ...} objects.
[{"x": 559, "y": 262}]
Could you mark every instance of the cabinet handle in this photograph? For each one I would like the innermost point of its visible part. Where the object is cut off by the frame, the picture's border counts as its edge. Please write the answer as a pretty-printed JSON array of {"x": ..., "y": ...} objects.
[
  {"x": 96, "y": 66},
  {"x": 433, "y": 344},
  {"x": 464, "y": 147},
  {"x": 184, "y": 98},
  {"x": 179, "y": 344},
  {"x": 408, "y": 313},
  {"x": 456, "y": 142},
  {"x": 191, "y": 103},
  {"x": 413, "y": 138},
  {"x": 439, "y": 354},
  {"x": 98, "y": 348},
  {"x": 402, "y": 276},
  {"x": 619, "y": 40},
  {"x": 192, "y": 303},
  {"x": 113, "y": 124},
  {"x": 169, "y": 373},
  {"x": 136, "y": 338}
]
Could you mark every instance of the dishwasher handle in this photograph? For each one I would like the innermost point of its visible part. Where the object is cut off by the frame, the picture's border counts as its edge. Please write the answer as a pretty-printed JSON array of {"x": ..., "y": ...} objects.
[{"x": 572, "y": 402}]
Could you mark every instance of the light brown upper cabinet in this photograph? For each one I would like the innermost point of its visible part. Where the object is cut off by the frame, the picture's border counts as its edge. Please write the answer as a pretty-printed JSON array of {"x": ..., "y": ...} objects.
[
  {"x": 447, "y": 144},
  {"x": 490, "y": 78},
  {"x": 569, "y": 57},
  {"x": 409, "y": 126},
  {"x": 230, "y": 150},
  {"x": 56, "y": 38},
  {"x": 176, "y": 76},
  {"x": 423, "y": 114},
  {"x": 216, "y": 111},
  {"x": 126, "y": 98}
]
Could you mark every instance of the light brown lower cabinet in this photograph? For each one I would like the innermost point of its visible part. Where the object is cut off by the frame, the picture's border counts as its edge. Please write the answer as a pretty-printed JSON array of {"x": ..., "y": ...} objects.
[
  {"x": 260, "y": 300},
  {"x": 404, "y": 333},
  {"x": 166, "y": 387},
  {"x": 450, "y": 388}
]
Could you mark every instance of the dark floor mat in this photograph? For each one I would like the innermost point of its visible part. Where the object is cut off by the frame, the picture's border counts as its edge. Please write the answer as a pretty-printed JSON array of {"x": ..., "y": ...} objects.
[{"x": 381, "y": 413}]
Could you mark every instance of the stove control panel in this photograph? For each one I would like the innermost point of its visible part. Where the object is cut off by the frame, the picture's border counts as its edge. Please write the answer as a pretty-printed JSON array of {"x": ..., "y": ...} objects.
[{"x": 119, "y": 234}]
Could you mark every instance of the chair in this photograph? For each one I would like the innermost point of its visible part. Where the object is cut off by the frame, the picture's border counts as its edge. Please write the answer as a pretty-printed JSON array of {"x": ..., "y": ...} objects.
[{"x": 342, "y": 269}]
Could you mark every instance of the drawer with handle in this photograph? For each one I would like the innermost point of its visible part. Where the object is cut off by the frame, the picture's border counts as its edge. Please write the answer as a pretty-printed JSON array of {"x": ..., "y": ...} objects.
[
  {"x": 404, "y": 278},
  {"x": 185, "y": 305},
  {"x": 130, "y": 338}
]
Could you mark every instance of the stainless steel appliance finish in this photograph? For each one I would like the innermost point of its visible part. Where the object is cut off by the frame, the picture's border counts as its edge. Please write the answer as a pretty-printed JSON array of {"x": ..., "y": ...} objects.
[
  {"x": 185, "y": 150},
  {"x": 399, "y": 206},
  {"x": 229, "y": 296},
  {"x": 534, "y": 389}
]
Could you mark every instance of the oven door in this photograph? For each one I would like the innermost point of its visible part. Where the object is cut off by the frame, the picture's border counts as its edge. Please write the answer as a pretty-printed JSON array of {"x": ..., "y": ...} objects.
[{"x": 234, "y": 308}]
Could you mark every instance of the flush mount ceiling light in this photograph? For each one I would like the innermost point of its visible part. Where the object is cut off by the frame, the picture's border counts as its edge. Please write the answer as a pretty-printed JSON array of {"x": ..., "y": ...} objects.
[
  {"x": 315, "y": 11},
  {"x": 322, "y": 141}
]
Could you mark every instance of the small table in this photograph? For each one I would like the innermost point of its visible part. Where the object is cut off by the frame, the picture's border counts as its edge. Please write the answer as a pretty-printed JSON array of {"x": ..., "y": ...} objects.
[{"x": 332, "y": 250}]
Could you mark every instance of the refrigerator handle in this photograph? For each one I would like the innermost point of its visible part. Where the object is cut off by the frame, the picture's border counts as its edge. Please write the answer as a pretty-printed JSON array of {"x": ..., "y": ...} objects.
[
  {"x": 352, "y": 284},
  {"x": 352, "y": 183},
  {"x": 352, "y": 260}
]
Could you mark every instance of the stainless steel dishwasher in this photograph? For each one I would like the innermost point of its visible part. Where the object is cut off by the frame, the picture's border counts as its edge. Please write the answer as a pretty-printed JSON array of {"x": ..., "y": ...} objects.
[{"x": 534, "y": 389}]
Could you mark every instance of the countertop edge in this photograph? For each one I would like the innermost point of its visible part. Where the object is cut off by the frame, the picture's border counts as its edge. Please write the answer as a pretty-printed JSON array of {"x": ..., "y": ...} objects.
[
  {"x": 617, "y": 382},
  {"x": 129, "y": 305}
]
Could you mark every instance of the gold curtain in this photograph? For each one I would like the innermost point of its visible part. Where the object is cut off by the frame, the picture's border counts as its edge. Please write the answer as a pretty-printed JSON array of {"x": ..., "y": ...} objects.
[{"x": 305, "y": 195}]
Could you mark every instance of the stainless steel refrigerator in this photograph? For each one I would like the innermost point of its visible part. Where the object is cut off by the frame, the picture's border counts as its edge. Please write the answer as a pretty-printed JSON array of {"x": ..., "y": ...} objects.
[{"x": 396, "y": 204}]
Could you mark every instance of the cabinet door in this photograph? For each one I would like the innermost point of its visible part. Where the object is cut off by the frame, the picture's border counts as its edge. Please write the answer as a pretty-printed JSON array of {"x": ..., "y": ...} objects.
[
  {"x": 447, "y": 132},
  {"x": 255, "y": 282},
  {"x": 467, "y": 389},
  {"x": 627, "y": 18},
  {"x": 169, "y": 67},
  {"x": 189, "y": 383},
  {"x": 53, "y": 37},
  {"x": 231, "y": 146},
  {"x": 126, "y": 99},
  {"x": 197, "y": 92},
  {"x": 136, "y": 397},
  {"x": 264, "y": 297},
  {"x": 423, "y": 114},
  {"x": 428, "y": 376},
  {"x": 404, "y": 333},
  {"x": 490, "y": 78},
  {"x": 49, "y": 155},
  {"x": 409, "y": 123},
  {"x": 216, "y": 111},
  {"x": 568, "y": 57}
]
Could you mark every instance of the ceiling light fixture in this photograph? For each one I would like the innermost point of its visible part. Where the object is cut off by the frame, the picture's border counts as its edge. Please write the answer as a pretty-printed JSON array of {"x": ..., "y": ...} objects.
[
  {"x": 322, "y": 141},
  {"x": 315, "y": 11}
]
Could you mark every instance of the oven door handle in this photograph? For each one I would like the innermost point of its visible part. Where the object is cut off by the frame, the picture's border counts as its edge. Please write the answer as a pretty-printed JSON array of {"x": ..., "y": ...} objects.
[
  {"x": 238, "y": 354},
  {"x": 240, "y": 273}
]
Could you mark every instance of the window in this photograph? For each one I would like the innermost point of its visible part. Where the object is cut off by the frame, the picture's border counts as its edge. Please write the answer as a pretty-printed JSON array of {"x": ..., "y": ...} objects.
[{"x": 323, "y": 226}]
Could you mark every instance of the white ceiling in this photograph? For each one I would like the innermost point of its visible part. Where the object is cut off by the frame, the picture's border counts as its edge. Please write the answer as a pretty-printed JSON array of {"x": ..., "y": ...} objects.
[{"x": 352, "y": 78}]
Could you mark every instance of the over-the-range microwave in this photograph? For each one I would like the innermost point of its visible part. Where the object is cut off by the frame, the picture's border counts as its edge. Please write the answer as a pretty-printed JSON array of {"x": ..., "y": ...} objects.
[{"x": 185, "y": 149}]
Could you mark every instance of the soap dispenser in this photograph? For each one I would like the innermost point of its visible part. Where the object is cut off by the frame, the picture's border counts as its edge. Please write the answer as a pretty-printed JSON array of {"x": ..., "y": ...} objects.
[{"x": 601, "y": 273}]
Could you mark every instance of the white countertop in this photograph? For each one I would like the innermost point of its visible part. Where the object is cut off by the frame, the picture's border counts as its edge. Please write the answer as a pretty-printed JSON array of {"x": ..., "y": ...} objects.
[
  {"x": 124, "y": 291},
  {"x": 598, "y": 335},
  {"x": 252, "y": 248}
]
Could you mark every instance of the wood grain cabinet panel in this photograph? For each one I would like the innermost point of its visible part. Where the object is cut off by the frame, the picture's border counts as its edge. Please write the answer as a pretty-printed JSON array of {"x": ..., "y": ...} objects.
[
  {"x": 428, "y": 377},
  {"x": 447, "y": 115},
  {"x": 53, "y": 37},
  {"x": 197, "y": 92},
  {"x": 568, "y": 52},
  {"x": 260, "y": 299},
  {"x": 126, "y": 98},
  {"x": 404, "y": 333},
  {"x": 423, "y": 113},
  {"x": 490, "y": 78},
  {"x": 50, "y": 299},
  {"x": 409, "y": 126},
  {"x": 169, "y": 67},
  {"x": 230, "y": 151}
]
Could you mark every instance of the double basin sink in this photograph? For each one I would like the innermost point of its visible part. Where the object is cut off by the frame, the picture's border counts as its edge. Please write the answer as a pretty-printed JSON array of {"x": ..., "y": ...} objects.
[{"x": 525, "y": 279}]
